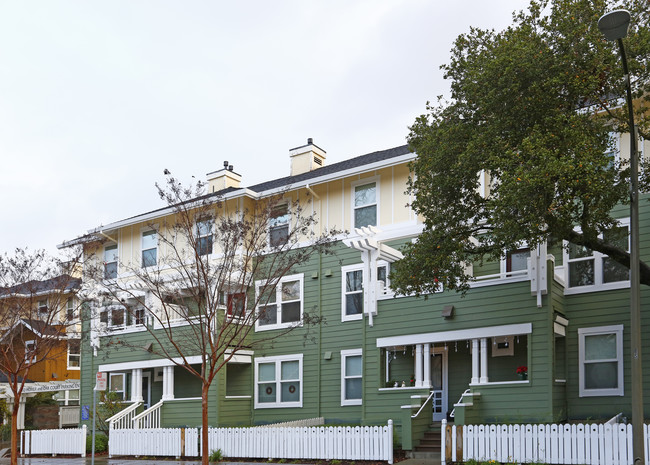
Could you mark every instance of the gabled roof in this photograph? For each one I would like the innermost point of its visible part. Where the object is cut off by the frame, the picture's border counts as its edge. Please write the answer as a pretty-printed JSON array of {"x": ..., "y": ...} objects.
[{"x": 343, "y": 168}]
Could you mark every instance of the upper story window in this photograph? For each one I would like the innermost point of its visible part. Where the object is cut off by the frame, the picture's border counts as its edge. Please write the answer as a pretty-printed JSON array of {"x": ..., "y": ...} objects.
[
  {"x": 588, "y": 269},
  {"x": 282, "y": 307},
  {"x": 517, "y": 260},
  {"x": 42, "y": 307},
  {"x": 110, "y": 261},
  {"x": 365, "y": 205},
  {"x": 279, "y": 225},
  {"x": 236, "y": 305},
  {"x": 352, "y": 292},
  {"x": 30, "y": 351},
  {"x": 113, "y": 317},
  {"x": 601, "y": 361},
  {"x": 204, "y": 237},
  {"x": 70, "y": 310},
  {"x": 278, "y": 381},
  {"x": 74, "y": 353},
  {"x": 149, "y": 248}
]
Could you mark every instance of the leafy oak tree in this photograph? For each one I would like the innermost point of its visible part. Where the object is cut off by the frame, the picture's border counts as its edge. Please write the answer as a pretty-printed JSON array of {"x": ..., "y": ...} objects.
[{"x": 531, "y": 110}]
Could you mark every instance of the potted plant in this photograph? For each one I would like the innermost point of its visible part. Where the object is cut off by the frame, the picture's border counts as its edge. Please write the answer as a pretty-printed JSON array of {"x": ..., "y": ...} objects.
[{"x": 522, "y": 372}]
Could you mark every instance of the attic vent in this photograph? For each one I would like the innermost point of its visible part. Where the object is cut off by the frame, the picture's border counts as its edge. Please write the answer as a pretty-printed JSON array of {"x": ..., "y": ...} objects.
[{"x": 318, "y": 161}]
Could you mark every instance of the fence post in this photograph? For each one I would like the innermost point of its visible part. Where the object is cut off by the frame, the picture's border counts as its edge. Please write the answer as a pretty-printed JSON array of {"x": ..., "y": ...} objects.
[
  {"x": 443, "y": 441},
  {"x": 390, "y": 442},
  {"x": 84, "y": 433}
]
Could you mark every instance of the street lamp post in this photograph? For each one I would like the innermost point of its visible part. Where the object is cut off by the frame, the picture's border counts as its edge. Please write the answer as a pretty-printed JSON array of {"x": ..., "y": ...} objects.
[{"x": 614, "y": 26}]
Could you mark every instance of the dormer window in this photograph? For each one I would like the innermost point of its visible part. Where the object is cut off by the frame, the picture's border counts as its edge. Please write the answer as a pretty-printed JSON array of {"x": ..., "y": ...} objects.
[
  {"x": 149, "y": 248},
  {"x": 110, "y": 261}
]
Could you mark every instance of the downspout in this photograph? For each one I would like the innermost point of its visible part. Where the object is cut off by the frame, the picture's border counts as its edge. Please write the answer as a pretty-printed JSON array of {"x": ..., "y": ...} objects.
[
  {"x": 363, "y": 371},
  {"x": 320, "y": 326}
]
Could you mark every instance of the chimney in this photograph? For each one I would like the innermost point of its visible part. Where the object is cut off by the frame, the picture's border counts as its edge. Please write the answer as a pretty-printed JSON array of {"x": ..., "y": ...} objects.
[
  {"x": 306, "y": 158},
  {"x": 223, "y": 178}
]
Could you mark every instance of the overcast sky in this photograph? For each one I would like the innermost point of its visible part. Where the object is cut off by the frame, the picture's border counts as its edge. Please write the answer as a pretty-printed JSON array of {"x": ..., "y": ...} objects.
[{"x": 98, "y": 98}]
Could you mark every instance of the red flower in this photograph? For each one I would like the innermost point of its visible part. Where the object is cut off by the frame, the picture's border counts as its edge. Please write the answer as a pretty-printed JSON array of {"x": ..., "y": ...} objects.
[{"x": 522, "y": 369}]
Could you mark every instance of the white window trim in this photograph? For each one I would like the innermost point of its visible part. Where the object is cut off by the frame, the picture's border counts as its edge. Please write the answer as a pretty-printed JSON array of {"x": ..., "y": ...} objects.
[
  {"x": 344, "y": 355},
  {"x": 199, "y": 237},
  {"x": 144, "y": 230},
  {"x": 31, "y": 343},
  {"x": 117, "y": 264},
  {"x": 361, "y": 182},
  {"x": 110, "y": 384},
  {"x": 582, "y": 332},
  {"x": 278, "y": 301},
  {"x": 286, "y": 202},
  {"x": 39, "y": 306},
  {"x": 277, "y": 360},
  {"x": 598, "y": 268},
  {"x": 503, "y": 266},
  {"x": 344, "y": 271},
  {"x": 68, "y": 356}
]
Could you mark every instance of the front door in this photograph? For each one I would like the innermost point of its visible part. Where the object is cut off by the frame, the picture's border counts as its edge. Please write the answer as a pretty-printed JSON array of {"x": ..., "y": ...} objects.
[
  {"x": 439, "y": 383},
  {"x": 146, "y": 389}
]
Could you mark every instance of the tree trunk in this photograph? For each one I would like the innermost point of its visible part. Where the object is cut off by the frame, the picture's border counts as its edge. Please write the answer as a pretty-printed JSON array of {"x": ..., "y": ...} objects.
[
  {"x": 14, "y": 433},
  {"x": 204, "y": 423}
]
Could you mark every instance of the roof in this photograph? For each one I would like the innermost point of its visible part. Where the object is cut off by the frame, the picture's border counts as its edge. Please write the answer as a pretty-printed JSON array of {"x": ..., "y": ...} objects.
[
  {"x": 287, "y": 181},
  {"x": 60, "y": 283}
]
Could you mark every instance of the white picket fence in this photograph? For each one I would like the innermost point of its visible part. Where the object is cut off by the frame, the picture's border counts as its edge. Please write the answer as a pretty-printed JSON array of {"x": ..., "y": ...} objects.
[
  {"x": 54, "y": 441},
  {"x": 602, "y": 444},
  {"x": 324, "y": 443}
]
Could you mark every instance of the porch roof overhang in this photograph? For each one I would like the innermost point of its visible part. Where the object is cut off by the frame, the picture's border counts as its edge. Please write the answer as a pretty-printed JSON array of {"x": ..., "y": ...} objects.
[
  {"x": 456, "y": 335},
  {"x": 161, "y": 362}
]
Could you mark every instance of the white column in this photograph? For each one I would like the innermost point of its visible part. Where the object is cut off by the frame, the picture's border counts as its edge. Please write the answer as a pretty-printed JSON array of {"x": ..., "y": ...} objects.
[
  {"x": 427, "y": 366},
  {"x": 484, "y": 361},
  {"x": 136, "y": 385},
  {"x": 168, "y": 383},
  {"x": 418, "y": 365},
  {"x": 475, "y": 361},
  {"x": 21, "y": 413}
]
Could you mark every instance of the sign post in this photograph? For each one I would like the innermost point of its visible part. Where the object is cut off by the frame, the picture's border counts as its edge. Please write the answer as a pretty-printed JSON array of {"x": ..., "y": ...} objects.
[{"x": 100, "y": 385}]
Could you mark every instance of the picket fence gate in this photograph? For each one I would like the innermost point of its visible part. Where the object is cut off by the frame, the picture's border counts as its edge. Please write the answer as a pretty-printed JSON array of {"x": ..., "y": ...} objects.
[
  {"x": 54, "y": 441},
  {"x": 597, "y": 444},
  {"x": 324, "y": 443}
]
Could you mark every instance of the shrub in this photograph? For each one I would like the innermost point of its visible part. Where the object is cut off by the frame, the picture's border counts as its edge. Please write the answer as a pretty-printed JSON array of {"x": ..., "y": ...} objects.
[
  {"x": 215, "y": 456},
  {"x": 101, "y": 443}
]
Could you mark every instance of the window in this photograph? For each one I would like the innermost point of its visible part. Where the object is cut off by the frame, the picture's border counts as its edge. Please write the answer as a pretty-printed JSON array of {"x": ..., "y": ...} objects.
[
  {"x": 586, "y": 267},
  {"x": 365, "y": 205},
  {"x": 352, "y": 292},
  {"x": 74, "y": 354},
  {"x": 117, "y": 384},
  {"x": 30, "y": 351},
  {"x": 279, "y": 225},
  {"x": 139, "y": 316},
  {"x": 351, "y": 377},
  {"x": 149, "y": 248},
  {"x": 204, "y": 237},
  {"x": 113, "y": 316},
  {"x": 110, "y": 261},
  {"x": 278, "y": 381},
  {"x": 70, "y": 310},
  {"x": 42, "y": 307},
  {"x": 282, "y": 307},
  {"x": 237, "y": 305},
  {"x": 517, "y": 260},
  {"x": 601, "y": 361}
]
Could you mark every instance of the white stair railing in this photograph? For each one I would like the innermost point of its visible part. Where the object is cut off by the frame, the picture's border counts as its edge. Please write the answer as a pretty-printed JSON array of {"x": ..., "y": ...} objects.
[
  {"x": 150, "y": 418},
  {"x": 124, "y": 418}
]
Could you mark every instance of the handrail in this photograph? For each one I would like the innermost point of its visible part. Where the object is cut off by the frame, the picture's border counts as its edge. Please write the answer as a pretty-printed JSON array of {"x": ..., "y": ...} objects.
[
  {"x": 122, "y": 414},
  {"x": 504, "y": 275},
  {"x": 453, "y": 411},
  {"x": 150, "y": 417},
  {"x": 423, "y": 404}
]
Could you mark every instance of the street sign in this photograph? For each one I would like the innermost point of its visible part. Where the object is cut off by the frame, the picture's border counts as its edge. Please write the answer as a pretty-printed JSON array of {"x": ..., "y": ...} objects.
[{"x": 102, "y": 379}]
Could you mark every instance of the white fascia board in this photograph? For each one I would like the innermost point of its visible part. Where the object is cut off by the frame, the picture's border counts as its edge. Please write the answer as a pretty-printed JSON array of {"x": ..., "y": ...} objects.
[
  {"x": 168, "y": 211},
  {"x": 162, "y": 362},
  {"x": 457, "y": 335}
]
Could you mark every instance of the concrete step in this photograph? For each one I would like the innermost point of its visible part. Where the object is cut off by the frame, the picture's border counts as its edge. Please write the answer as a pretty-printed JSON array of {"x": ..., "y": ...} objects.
[{"x": 428, "y": 455}]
